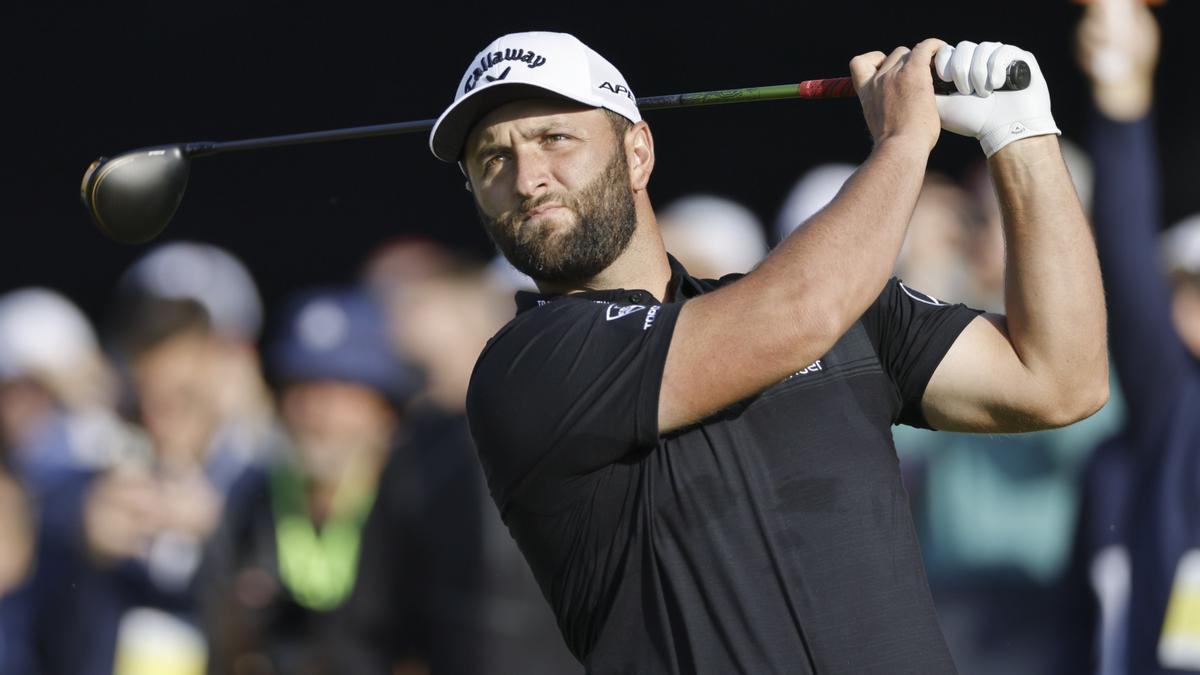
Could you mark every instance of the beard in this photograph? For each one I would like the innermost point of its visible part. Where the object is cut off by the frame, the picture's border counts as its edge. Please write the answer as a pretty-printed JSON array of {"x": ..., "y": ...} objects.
[{"x": 604, "y": 222}]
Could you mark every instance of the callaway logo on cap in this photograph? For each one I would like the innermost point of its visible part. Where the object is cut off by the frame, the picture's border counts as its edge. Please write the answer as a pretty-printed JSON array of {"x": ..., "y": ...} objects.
[{"x": 529, "y": 65}]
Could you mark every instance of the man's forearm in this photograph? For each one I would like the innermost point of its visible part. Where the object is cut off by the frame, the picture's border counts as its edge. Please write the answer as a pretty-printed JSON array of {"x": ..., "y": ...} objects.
[
  {"x": 1054, "y": 300},
  {"x": 798, "y": 302}
]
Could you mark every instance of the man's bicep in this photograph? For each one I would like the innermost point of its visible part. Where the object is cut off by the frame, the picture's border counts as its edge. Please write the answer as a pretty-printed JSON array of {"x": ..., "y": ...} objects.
[
  {"x": 725, "y": 349},
  {"x": 692, "y": 380},
  {"x": 981, "y": 385}
]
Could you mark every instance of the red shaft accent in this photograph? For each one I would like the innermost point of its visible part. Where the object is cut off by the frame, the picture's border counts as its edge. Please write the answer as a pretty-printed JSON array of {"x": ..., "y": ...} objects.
[{"x": 837, "y": 87}]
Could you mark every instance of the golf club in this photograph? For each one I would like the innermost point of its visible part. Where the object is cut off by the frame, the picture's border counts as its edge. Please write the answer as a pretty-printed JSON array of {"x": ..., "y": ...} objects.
[{"x": 131, "y": 197}]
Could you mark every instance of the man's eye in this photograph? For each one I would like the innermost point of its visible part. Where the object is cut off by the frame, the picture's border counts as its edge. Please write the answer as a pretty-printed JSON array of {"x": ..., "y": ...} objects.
[
  {"x": 554, "y": 138},
  {"x": 493, "y": 162}
]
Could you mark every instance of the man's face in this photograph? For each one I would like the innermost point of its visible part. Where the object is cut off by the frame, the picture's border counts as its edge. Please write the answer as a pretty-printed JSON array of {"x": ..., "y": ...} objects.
[
  {"x": 551, "y": 184},
  {"x": 177, "y": 395},
  {"x": 335, "y": 423}
]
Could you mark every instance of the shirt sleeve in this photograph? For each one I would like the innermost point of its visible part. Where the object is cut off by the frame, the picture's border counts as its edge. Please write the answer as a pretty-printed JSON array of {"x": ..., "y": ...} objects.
[
  {"x": 911, "y": 333},
  {"x": 568, "y": 388}
]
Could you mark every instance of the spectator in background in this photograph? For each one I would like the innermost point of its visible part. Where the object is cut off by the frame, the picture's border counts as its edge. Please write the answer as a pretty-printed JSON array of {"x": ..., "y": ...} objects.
[
  {"x": 16, "y": 519},
  {"x": 56, "y": 396},
  {"x": 442, "y": 310},
  {"x": 218, "y": 281},
  {"x": 712, "y": 236},
  {"x": 57, "y": 389},
  {"x": 16, "y": 560},
  {"x": 816, "y": 188},
  {"x": 123, "y": 537},
  {"x": 1136, "y": 566},
  {"x": 292, "y": 546},
  {"x": 933, "y": 257},
  {"x": 1180, "y": 248},
  {"x": 508, "y": 279}
]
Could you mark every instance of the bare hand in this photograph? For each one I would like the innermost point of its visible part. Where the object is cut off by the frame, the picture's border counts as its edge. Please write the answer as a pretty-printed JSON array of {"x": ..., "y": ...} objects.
[
  {"x": 896, "y": 92},
  {"x": 16, "y": 532},
  {"x": 120, "y": 515},
  {"x": 190, "y": 503},
  {"x": 1117, "y": 46}
]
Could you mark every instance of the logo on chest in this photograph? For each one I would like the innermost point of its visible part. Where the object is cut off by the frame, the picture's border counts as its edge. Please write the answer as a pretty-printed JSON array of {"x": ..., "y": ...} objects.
[{"x": 814, "y": 367}]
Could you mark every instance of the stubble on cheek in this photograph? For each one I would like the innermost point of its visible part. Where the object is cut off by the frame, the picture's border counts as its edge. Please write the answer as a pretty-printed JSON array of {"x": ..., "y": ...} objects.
[
  {"x": 571, "y": 244},
  {"x": 546, "y": 231},
  {"x": 512, "y": 231}
]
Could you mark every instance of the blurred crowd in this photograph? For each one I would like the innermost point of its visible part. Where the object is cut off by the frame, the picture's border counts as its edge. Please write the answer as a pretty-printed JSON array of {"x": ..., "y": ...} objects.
[{"x": 184, "y": 490}]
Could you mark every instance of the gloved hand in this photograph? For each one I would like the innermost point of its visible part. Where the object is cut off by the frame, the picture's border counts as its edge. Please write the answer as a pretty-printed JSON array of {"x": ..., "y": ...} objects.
[{"x": 996, "y": 118}]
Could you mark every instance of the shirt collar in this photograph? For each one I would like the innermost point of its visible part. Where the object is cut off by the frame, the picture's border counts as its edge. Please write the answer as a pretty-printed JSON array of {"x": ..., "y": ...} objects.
[{"x": 681, "y": 286}]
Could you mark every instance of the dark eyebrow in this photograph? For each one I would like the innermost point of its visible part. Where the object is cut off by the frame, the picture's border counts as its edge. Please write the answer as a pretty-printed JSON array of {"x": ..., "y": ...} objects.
[
  {"x": 556, "y": 125},
  {"x": 489, "y": 149}
]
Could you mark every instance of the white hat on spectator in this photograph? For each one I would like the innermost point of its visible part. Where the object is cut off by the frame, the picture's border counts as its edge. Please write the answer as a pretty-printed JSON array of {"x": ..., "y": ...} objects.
[
  {"x": 204, "y": 273},
  {"x": 1180, "y": 246},
  {"x": 812, "y": 192},
  {"x": 502, "y": 274},
  {"x": 713, "y": 236},
  {"x": 42, "y": 332},
  {"x": 45, "y": 338}
]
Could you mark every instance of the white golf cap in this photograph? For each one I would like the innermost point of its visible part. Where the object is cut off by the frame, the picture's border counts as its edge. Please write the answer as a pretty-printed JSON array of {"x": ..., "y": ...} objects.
[
  {"x": 529, "y": 65},
  {"x": 207, "y": 274},
  {"x": 41, "y": 333}
]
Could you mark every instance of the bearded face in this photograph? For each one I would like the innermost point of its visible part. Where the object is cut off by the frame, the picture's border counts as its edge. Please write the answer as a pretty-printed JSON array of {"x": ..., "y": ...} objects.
[{"x": 574, "y": 243}]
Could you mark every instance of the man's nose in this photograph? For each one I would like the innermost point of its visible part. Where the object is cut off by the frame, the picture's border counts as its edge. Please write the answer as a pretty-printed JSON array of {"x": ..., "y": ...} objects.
[{"x": 532, "y": 173}]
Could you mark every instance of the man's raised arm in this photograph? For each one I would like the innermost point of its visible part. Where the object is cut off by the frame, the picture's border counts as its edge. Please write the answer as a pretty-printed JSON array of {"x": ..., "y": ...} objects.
[
  {"x": 741, "y": 339},
  {"x": 1045, "y": 363}
]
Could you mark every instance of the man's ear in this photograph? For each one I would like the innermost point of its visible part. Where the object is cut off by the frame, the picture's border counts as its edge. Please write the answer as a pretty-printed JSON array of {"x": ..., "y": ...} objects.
[
  {"x": 463, "y": 168},
  {"x": 639, "y": 153}
]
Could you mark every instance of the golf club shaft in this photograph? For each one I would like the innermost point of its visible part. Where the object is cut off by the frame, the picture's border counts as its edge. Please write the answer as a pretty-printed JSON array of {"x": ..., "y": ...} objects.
[
  {"x": 838, "y": 87},
  {"x": 807, "y": 89}
]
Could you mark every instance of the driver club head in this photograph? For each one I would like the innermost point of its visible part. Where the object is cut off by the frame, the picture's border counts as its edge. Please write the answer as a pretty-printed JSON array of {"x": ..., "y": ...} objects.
[{"x": 132, "y": 197}]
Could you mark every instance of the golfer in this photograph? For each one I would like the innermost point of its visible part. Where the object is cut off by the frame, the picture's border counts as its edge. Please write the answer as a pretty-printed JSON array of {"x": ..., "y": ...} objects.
[{"x": 701, "y": 473}]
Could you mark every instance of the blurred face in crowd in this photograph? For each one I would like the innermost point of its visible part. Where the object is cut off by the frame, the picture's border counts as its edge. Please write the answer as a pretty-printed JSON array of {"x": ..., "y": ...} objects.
[
  {"x": 933, "y": 258},
  {"x": 985, "y": 246},
  {"x": 176, "y": 390},
  {"x": 333, "y": 424},
  {"x": 552, "y": 187},
  {"x": 1185, "y": 309},
  {"x": 442, "y": 324},
  {"x": 16, "y": 552},
  {"x": 25, "y": 407}
]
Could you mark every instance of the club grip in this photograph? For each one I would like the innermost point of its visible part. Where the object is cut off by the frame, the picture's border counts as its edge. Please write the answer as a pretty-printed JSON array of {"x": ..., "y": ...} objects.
[{"x": 1016, "y": 77}]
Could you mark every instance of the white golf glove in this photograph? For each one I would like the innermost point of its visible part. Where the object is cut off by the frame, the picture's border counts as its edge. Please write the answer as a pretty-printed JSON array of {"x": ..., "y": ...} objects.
[{"x": 996, "y": 118}]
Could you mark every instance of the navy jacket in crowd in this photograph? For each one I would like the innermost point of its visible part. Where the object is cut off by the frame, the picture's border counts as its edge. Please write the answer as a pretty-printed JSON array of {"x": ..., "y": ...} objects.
[{"x": 1141, "y": 510}]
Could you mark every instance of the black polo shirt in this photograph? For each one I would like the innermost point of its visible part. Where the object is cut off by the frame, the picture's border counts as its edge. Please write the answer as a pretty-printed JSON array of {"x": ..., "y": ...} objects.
[{"x": 773, "y": 537}]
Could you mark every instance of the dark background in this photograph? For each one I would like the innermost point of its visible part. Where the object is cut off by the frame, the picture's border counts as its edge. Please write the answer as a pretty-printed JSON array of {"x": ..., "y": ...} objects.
[{"x": 81, "y": 82}]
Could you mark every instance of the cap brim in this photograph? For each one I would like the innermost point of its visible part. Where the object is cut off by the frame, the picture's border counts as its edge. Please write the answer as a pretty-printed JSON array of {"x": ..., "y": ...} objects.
[{"x": 451, "y": 129}]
